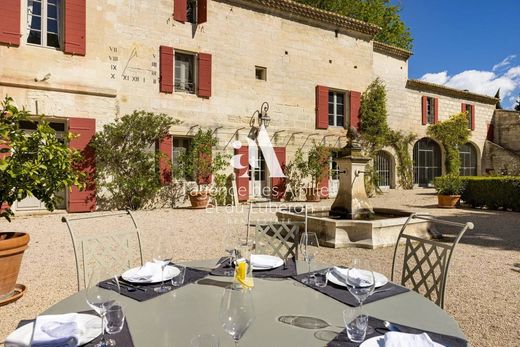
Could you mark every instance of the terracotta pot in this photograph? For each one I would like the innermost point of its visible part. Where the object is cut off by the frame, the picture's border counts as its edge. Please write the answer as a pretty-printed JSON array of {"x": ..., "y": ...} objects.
[
  {"x": 448, "y": 201},
  {"x": 199, "y": 199},
  {"x": 312, "y": 194},
  {"x": 12, "y": 246}
]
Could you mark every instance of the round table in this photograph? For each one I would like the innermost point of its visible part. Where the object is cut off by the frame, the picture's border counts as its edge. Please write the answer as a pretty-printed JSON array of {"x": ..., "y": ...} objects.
[{"x": 173, "y": 319}]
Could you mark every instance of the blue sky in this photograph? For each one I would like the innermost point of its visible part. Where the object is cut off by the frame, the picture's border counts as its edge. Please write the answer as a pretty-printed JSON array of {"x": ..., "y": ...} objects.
[{"x": 467, "y": 44}]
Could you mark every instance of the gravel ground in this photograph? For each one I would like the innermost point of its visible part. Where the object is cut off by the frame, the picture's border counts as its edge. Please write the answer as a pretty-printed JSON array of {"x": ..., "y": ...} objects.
[{"x": 483, "y": 292}]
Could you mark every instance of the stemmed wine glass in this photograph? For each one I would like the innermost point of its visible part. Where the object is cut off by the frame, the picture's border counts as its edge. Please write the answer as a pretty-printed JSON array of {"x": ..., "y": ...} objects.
[
  {"x": 162, "y": 255},
  {"x": 229, "y": 242},
  {"x": 361, "y": 282},
  {"x": 309, "y": 247},
  {"x": 236, "y": 311},
  {"x": 102, "y": 299}
]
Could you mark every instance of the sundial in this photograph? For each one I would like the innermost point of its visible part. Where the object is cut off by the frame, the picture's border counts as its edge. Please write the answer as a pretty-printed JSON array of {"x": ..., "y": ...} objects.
[{"x": 134, "y": 64}]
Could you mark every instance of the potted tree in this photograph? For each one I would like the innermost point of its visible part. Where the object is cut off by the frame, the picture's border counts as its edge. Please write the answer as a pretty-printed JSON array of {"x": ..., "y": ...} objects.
[
  {"x": 296, "y": 171},
  {"x": 199, "y": 165},
  {"x": 449, "y": 188},
  {"x": 37, "y": 164},
  {"x": 317, "y": 169}
]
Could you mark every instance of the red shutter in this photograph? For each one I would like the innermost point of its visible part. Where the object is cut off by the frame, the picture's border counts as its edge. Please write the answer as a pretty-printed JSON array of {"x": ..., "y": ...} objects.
[
  {"x": 202, "y": 11},
  {"x": 10, "y": 22},
  {"x": 490, "y": 133},
  {"x": 322, "y": 107},
  {"x": 242, "y": 176},
  {"x": 83, "y": 201},
  {"x": 323, "y": 187},
  {"x": 204, "y": 83},
  {"x": 166, "y": 69},
  {"x": 164, "y": 146},
  {"x": 355, "y": 105},
  {"x": 208, "y": 178},
  {"x": 424, "y": 110},
  {"x": 472, "y": 117},
  {"x": 436, "y": 111},
  {"x": 75, "y": 27},
  {"x": 180, "y": 8},
  {"x": 462, "y": 107},
  {"x": 278, "y": 184}
]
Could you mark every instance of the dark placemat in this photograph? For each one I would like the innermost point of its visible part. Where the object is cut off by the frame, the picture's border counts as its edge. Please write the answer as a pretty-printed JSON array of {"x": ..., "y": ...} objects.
[
  {"x": 122, "y": 338},
  {"x": 280, "y": 272},
  {"x": 341, "y": 340},
  {"x": 146, "y": 290},
  {"x": 343, "y": 295}
]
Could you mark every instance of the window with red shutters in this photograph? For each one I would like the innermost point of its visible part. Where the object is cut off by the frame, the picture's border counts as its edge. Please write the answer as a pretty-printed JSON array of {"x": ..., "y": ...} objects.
[
  {"x": 204, "y": 73},
  {"x": 355, "y": 105},
  {"x": 180, "y": 8},
  {"x": 164, "y": 147},
  {"x": 85, "y": 200},
  {"x": 10, "y": 22},
  {"x": 278, "y": 184},
  {"x": 242, "y": 174},
  {"x": 470, "y": 114},
  {"x": 75, "y": 27},
  {"x": 322, "y": 107},
  {"x": 166, "y": 69}
]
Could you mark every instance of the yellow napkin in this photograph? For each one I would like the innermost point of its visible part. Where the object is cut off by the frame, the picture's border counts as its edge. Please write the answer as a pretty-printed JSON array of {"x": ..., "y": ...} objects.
[{"x": 241, "y": 275}]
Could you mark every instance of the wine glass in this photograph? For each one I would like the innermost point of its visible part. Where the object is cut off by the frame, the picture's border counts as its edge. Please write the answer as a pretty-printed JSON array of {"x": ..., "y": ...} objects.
[
  {"x": 236, "y": 311},
  {"x": 309, "y": 247},
  {"x": 102, "y": 299},
  {"x": 361, "y": 282},
  {"x": 229, "y": 242},
  {"x": 162, "y": 254}
]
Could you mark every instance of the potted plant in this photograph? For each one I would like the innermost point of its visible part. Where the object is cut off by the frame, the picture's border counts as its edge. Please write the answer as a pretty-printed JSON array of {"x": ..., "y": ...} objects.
[
  {"x": 296, "y": 171},
  {"x": 198, "y": 164},
  {"x": 31, "y": 164},
  {"x": 317, "y": 169},
  {"x": 449, "y": 188}
]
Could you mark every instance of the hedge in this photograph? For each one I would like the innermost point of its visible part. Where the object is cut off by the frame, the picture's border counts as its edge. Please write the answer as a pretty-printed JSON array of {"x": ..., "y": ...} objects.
[{"x": 492, "y": 192}]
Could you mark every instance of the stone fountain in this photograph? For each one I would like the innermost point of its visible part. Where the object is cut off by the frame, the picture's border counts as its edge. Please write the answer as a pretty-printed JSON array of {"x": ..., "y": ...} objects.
[{"x": 351, "y": 221}]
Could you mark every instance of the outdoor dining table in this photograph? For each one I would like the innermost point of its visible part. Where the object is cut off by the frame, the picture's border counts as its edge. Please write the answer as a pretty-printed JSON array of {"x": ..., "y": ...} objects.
[{"x": 173, "y": 319}]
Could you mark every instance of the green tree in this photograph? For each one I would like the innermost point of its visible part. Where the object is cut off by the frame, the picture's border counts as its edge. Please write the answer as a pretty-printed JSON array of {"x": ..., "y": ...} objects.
[
  {"x": 379, "y": 12},
  {"x": 126, "y": 160},
  {"x": 452, "y": 133},
  {"x": 33, "y": 164},
  {"x": 318, "y": 164},
  {"x": 373, "y": 114}
]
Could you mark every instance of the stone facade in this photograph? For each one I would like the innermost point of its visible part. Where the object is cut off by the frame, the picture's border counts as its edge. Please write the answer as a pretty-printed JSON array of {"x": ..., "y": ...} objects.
[
  {"x": 502, "y": 153},
  {"x": 120, "y": 71}
]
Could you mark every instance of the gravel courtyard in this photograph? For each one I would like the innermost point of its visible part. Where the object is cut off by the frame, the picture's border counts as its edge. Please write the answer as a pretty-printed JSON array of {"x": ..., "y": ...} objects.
[{"x": 483, "y": 292}]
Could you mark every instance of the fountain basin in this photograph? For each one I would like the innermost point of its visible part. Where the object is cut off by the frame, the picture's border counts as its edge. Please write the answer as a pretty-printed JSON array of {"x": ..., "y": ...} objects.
[{"x": 381, "y": 230}]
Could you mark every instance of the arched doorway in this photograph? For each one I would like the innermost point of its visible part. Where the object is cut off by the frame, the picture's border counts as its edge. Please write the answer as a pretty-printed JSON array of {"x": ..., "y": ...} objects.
[
  {"x": 383, "y": 166},
  {"x": 468, "y": 160},
  {"x": 426, "y": 161}
]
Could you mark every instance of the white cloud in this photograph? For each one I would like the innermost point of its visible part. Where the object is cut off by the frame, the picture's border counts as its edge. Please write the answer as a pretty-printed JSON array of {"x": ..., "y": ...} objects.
[
  {"x": 504, "y": 63},
  {"x": 484, "y": 82}
]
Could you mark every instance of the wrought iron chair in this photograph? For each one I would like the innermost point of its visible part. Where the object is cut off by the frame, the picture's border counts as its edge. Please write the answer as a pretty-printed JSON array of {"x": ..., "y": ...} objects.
[
  {"x": 279, "y": 238},
  {"x": 115, "y": 249},
  {"x": 426, "y": 262}
]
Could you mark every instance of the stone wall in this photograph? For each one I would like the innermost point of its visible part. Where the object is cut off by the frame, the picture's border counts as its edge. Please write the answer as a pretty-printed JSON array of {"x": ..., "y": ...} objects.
[
  {"x": 507, "y": 129},
  {"x": 502, "y": 156}
]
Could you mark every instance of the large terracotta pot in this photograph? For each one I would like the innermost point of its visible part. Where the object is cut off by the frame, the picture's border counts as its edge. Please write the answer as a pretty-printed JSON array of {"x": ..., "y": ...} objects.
[
  {"x": 312, "y": 194},
  {"x": 448, "y": 201},
  {"x": 199, "y": 199},
  {"x": 12, "y": 246}
]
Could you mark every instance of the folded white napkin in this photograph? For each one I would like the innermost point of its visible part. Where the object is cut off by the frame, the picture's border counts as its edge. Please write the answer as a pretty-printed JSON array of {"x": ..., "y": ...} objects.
[
  {"x": 60, "y": 330},
  {"x": 146, "y": 272},
  {"x": 398, "y": 339},
  {"x": 340, "y": 273},
  {"x": 264, "y": 261}
]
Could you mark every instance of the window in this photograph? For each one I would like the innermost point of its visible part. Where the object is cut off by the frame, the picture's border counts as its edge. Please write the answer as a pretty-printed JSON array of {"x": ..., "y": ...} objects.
[
  {"x": 469, "y": 114},
  {"x": 44, "y": 22},
  {"x": 181, "y": 145},
  {"x": 185, "y": 72},
  {"x": 336, "y": 108},
  {"x": 191, "y": 11},
  {"x": 430, "y": 110},
  {"x": 468, "y": 160},
  {"x": 261, "y": 73}
]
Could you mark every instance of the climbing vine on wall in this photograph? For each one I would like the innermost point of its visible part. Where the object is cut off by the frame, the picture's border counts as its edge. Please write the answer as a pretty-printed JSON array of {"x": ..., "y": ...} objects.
[{"x": 401, "y": 143}]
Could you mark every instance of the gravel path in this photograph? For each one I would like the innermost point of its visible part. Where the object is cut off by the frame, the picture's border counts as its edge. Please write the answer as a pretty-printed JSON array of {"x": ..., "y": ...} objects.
[{"x": 483, "y": 292}]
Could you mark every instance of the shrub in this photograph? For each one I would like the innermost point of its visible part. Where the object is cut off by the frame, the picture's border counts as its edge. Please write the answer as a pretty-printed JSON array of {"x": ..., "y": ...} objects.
[
  {"x": 318, "y": 164},
  {"x": 449, "y": 185},
  {"x": 492, "y": 192},
  {"x": 295, "y": 171}
]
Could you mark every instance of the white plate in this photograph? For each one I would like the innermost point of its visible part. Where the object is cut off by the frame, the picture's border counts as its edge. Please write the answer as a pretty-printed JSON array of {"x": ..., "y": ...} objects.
[
  {"x": 23, "y": 334},
  {"x": 265, "y": 262},
  {"x": 381, "y": 279},
  {"x": 169, "y": 273},
  {"x": 377, "y": 341}
]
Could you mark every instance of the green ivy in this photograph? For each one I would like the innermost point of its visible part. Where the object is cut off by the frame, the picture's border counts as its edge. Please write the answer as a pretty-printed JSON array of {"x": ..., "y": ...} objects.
[
  {"x": 373, "y": 114},
  {"x": 401, "y": 143},
  {"x": 33, "y": 164}
]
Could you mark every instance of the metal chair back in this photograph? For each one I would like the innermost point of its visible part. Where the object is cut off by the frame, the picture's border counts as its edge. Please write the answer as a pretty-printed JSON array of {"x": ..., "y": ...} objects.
[
  {"x": 426, "y": 262},
  {"x": 279, "y": 238},
  {"x": 116, "y": 250}
]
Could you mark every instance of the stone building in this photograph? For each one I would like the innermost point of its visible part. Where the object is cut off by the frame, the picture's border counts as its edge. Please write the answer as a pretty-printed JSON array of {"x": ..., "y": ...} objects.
[
  {"x": 212, "y": 64},
  {"x": 502, "y": 150}
]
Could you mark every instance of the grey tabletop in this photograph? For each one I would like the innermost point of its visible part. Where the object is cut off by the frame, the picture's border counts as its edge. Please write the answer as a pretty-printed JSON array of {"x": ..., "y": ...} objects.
[{"x": 173, "y": 319}]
